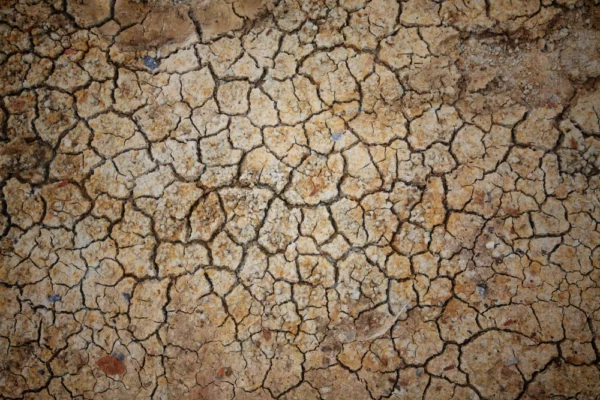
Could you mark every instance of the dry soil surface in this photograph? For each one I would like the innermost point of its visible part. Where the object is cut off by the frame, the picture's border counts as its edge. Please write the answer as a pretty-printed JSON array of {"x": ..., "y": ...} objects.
[{"x": 299, "y": 199}]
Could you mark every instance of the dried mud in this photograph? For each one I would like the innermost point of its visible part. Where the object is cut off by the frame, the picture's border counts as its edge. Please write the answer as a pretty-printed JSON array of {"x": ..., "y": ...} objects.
[{"x": 299, "y": 199}]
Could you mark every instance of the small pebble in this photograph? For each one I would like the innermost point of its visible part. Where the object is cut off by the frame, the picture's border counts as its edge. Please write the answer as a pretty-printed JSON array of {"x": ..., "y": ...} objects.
[
  {"x": 150, "y": 63},
  {"x": 490, "y": 245},
  {"x": 480, "y": 291},
  {"x": 54, "y": 298}
]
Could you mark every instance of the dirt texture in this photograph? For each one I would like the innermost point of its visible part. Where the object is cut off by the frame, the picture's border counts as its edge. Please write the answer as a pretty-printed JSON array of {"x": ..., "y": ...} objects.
[{"x": 300, "y": 199}]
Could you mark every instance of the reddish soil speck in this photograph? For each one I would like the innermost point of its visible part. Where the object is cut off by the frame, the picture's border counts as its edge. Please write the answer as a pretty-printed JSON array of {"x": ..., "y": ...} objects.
[
  {"x": 574, "y": 144},
  {"x": 266, "y": 334},
  {"x": 111, "y": 365},
  {"x": 224, "y": 371}
]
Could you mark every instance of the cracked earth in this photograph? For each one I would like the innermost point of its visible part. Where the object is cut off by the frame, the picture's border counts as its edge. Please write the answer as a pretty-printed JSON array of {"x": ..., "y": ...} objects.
[{"x": 300, "y": 199}]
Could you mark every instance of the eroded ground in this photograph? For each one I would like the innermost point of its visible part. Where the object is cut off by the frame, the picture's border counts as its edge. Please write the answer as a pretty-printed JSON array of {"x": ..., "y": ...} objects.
[{"x": 299, "y": 199}]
